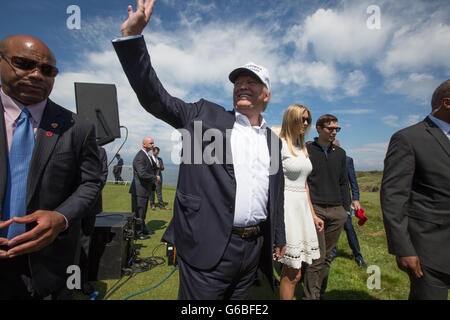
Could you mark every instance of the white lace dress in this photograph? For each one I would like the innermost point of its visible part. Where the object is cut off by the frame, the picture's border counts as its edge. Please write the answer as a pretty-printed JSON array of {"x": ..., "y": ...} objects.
[{"x": 301, "y": 236}]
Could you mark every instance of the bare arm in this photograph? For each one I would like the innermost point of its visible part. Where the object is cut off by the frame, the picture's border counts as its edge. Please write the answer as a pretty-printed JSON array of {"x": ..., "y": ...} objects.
[{"x": 317, "y": 221}]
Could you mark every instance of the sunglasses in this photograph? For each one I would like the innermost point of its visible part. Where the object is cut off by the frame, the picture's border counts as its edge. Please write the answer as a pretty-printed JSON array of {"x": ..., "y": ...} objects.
[
  {"x": 28, "y": 65},
  {"x": 331, "y": 129}
]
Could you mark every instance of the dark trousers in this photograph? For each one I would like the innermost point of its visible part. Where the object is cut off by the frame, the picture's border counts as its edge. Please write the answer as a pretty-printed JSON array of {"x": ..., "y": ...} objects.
[
  {"x": 117, "y": 175},
  {"x": 158, "y": 189},
  {"x": 85, "y": 244},
  {"x": 334, "y": 219},
  {"x": 231, "y": 279},
  {"x": 352, "y": 239},
  {"x": 16, "y": 282},
  {"x": 139, "y": 207},
  {"x": 434, "y": 285}
]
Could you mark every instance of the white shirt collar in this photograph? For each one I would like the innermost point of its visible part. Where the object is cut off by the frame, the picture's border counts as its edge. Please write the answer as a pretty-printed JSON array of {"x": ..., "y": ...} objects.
[
  {"x": 243, "y": 120},
  {"x": 444, "y": 126}
]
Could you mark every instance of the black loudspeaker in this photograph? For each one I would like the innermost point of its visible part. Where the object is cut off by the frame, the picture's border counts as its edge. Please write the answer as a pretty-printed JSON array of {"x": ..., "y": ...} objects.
[
  {"x": 97, "y": 102},
  {"x": 111, "y": 251}
]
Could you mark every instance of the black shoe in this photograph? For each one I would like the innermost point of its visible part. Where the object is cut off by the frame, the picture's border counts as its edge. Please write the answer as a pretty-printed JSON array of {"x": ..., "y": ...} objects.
[
  {"x": 147, "y": 232},
  {"x": 141, "y": 236},
  {"x": 87, "y": 289},
  {"x": 361, "y": 263}
]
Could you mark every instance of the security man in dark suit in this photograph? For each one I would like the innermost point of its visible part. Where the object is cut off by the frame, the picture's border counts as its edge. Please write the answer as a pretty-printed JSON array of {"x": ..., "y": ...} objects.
[
  {"x": 228, "y": 209},
  {"x": 415, "y": 200},
  {"x": 144, "y": 178},
  {"x": 49, "y": 174},
  {"x": 158, "y": 184},
  {"x": 352, "y": 238}
]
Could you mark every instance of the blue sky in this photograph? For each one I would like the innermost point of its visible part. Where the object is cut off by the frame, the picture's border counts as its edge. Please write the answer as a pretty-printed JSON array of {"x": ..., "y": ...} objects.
[{"x": 321, "y": 54}]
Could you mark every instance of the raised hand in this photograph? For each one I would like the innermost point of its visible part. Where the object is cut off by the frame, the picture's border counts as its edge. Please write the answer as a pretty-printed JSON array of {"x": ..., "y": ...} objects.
[{"x": 137, "y": 21}]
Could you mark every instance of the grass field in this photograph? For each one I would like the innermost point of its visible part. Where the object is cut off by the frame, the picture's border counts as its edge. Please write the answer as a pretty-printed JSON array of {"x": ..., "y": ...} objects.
[{"x": 346, "y": 280}]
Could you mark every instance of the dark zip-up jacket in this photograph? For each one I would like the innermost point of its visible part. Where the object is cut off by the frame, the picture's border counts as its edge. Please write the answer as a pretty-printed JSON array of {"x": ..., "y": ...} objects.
[{"x": 328, "y": 181}]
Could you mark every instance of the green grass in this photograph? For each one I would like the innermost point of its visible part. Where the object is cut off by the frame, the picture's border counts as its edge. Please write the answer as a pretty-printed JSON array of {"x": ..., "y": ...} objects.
[{"x": 346, "y": 281}]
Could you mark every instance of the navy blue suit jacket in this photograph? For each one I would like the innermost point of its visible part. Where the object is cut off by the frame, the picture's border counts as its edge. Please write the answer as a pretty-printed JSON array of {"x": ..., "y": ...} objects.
[
  {"x": 205, "y": 197},
  {"x": 352, "y": 179}
]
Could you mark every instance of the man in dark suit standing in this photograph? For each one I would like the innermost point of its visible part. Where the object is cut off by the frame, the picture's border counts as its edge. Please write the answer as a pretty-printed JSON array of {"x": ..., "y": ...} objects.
[
  {"x": 117, "y": 170},
  {"x": 144, "y": 178},
  {"x": 415, "y": 200},
  {"x": 49, "y": 177},
  {"x": 228, "y": 209},
  {"x": 158, "y": 184}
]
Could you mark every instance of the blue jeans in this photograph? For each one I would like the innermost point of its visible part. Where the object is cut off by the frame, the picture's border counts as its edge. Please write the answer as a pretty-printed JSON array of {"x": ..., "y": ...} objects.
[{"x": 352, "y": 240}]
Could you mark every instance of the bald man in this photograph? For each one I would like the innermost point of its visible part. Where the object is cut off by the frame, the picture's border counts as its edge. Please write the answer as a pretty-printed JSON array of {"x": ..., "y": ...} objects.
[
  {"x": 415, "y": 200},
  {"x": 51, "y": 178},
  {"x": 144, "y": 178}
]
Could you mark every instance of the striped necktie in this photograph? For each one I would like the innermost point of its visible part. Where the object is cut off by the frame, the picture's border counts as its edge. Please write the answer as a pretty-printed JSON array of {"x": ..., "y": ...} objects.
[{"x": 18, "y": 165}]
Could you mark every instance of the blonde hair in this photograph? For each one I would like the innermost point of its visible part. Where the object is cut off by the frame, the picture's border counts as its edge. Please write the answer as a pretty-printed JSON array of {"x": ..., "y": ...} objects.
[{"x": 293, "y": 117}]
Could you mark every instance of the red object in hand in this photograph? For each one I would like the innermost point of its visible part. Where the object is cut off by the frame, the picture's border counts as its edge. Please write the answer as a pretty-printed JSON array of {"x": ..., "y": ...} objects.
[{"x": 360, "y": 215}]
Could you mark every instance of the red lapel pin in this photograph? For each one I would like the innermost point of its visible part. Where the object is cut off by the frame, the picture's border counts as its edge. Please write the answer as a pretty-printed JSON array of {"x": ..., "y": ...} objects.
[{"x": 49, "y": 133}]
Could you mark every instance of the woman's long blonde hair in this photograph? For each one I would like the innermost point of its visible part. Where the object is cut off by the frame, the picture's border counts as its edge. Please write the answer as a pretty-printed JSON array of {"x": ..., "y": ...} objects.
[{"x": 293, "y": 117}]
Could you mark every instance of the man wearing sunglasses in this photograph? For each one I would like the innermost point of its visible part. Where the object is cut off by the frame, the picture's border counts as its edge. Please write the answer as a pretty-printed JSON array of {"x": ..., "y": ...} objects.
[
  {"x": 328, "y": 185},
  {"x": 49, "y": 174}
]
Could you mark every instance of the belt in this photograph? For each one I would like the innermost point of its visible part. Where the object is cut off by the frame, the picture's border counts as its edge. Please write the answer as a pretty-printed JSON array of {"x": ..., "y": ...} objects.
[{"x": 248, "y": 232}]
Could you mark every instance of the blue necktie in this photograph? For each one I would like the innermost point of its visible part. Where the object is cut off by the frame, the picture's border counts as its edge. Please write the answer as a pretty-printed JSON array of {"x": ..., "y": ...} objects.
[{"x": 19, "y": 161}]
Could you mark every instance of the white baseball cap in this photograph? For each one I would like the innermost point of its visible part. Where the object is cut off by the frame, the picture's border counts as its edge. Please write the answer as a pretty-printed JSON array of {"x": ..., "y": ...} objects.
[{"x": 260, "y": 72}]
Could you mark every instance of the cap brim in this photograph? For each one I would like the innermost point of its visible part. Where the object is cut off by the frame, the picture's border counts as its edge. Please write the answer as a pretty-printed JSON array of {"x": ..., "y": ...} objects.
[{"x": 236, "y": 72}]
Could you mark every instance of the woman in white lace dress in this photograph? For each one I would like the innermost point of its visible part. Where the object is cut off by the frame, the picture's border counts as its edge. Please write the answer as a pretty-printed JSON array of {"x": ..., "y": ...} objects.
[{"x": 299, "y": 217}]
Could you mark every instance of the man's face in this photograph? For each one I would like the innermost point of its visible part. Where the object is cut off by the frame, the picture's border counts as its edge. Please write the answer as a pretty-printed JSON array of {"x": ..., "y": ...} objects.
[
  {"x": 26, "y": 86},
  {"x": 327, "y": 133},
  {"x": 250, "y": 95},
  {"x": 155, "y": 152},
  {"x": 148, "y": 144}
]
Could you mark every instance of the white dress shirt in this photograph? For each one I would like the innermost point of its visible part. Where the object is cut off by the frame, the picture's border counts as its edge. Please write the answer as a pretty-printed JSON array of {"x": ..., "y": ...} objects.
[{"x": 251, "y": 160}]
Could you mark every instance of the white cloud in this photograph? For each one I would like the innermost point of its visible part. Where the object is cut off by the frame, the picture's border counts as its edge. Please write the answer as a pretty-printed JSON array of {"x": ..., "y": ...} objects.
[
  {"x": 369, "y": 156},
  {"x": 353, "y": 111},
  {"x": 391, "y": 120},
  {"x": 355, "y": 81},
  {"x": 316, "y": 74},
  {"x": 417, "y": 86},
  {"x": 397, "y": 122},
  {"x": 416, "y": 48},
  {"x": 340, "y": 36}
]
